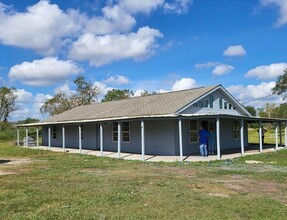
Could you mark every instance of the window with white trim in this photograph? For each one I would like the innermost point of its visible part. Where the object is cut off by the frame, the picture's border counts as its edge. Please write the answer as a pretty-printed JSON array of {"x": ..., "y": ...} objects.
[
  {"x": 236, "y": 130},
  {"x": 193, "y": 131},
  {"x": 211, "y": 99},
  {"x": 126, "y": 131},
  {"x": 115, "y": 131},
  {"x": 220, "y": 102}
]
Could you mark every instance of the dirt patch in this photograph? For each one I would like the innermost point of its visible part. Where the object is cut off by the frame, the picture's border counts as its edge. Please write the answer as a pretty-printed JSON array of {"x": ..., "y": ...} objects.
[
  {"x": 2, "y": 173},
  {"x": 11, "y": 162},
  {"x": 100, "y": 172}
]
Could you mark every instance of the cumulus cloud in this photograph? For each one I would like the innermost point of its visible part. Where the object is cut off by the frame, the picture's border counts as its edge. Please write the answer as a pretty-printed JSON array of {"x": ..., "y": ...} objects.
[
  {"x": 282, "y": 4},
  {"x": 65, "y": 88},
  {"x": 233, "y": 51},
  {"x": 184, "y": 83},
  {"x": 140, "y": 6},
  {"x": 117, "y": 80},
  {"x": 218, "y": 68},
  {"x": 103, "y": 89},
  {"x": 264, "y": 72},
  {"x": 177, "y": 6},
  {"x": 100, "y": 50},
  {"x": 255, "y": 95},
  {"x": 23, "y": 96},
  {"x": 39, "y": 101},
  {"x": 41, "y": 28},
  {"x": 43, "y": 72},
  {"x": 222, "y": 69}
]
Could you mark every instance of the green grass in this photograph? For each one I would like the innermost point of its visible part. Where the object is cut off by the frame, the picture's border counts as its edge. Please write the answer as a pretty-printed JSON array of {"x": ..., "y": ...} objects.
[
  {"x": 253, "y": 137},
  {"x": 48, "y": 185}
]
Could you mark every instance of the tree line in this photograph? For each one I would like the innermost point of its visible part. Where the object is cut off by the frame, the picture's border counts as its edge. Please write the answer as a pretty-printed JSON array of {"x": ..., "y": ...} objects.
[{"x": 87, "y": 93}]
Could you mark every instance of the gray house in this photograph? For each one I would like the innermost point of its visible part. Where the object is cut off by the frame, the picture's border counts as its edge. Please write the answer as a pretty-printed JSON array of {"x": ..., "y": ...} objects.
[{"x": 160, "y": 124}]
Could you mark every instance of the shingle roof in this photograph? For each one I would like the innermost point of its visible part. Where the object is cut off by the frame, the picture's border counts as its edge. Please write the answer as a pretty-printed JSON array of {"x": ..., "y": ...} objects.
[{"x": 152, "y": 105}]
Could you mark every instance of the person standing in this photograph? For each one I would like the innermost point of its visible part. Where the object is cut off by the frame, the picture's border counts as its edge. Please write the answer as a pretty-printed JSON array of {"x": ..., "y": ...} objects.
[
  {"x": 203, "y": 135},
  {"x": 211, "y": 141}
]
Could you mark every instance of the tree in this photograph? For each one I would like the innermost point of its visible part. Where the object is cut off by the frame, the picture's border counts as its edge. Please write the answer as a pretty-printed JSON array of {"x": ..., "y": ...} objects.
[
  {"x": 146, "y": 93},
  {"x": 58, "y": 104},
  {"x": 117, "y": 94},
  {"x": 251, "y": 110},
  {"x": 7, "y": 104},
  {"x": 281, "y": 84},
  {"x": 86, "y": 91}
]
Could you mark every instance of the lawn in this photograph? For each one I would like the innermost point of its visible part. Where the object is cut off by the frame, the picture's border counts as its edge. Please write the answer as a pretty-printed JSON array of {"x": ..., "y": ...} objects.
[
  {"x": 253, "y": 136},
  {"x": 36, "y": 184}
]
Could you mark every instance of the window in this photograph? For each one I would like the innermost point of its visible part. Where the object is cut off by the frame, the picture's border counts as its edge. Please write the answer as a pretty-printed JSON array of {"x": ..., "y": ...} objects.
[
  {"x": 82, "y": 132},
  {"x": 211, "y": 101},
  {"x": 200, "y": 104},
  {"x": 195, "y": 105},
  {"x": 220, "y": 102},
  {"x": 225, "y": 105},
  {"x": 205, "y": 103},
  {"x": 54, "y": 132},
  {"x": 193, "y": 131},
  {"x": 230, "y": 106},
  {"x": 126, "y": 131},
  {"x": 115, "y": 131},
  {"x": 236, "y": 130}
]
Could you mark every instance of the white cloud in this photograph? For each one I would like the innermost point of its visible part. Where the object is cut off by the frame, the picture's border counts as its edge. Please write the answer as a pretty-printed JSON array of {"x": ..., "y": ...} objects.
[
  {"x": 138, "y": 92},
  {"x": 140, "y": 6},
  {"x": 65, "y": 88},
  {"x": 271, "y": 71},
  {"x": 177, "y": 6},
  {"x": 255, "y": 95},
  {"x": 206, "y": 65},
  {"x": 282, "y": 4},
  {"x": 44, "y": 72},
  {"x": 41, "y": 28},
  {"x": 184, "y": 83},
  {"x": 23, "y": 96},
  {"x": 100, "y": 50},
  {"x": 222, "y": 69},
  {"x": 39, "y": 101},
  {"x": 103, "y": 89},
  {"x": 117, "y": 80},
  {"x": 236, "y": 50}
]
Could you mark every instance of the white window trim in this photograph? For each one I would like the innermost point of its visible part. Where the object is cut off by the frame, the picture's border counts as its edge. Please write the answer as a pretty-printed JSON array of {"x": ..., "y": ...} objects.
[
  {"x": 192, "y": 142},
  {"x": 116, "y": 131},
  {"x": 129, "y": 132},
  {"x": 233, "y": 130}
]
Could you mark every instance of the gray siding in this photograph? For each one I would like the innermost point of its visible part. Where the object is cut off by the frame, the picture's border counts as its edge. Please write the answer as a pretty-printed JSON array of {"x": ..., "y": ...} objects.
[{"x": 215, "y": 110}]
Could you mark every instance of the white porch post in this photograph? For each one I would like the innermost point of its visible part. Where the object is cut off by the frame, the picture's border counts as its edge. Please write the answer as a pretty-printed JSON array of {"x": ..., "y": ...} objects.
[
  {"x": 276, "y": 136},
  {"x": 260, "y": 137},
  {"x": 18, "y": 137},
  {"x": 27, "y": 134},
  {"x": 49, "y": 137},
  {"x": 63, "y": 137},
  {"x": 101, "y": 139},
  {"x": 242, "y": 137},
  {"x": 180, "y": 139},
  {"x": 80, "y": 138},
  {"x": 37, "y": 137},
  {"x": 119, "y": 140},
  {"x": 142, "y": 140},
  {"x": 285, "y": 132},
  {"x": 280, "y": 134},
  {"x": 218, "y": 137}
]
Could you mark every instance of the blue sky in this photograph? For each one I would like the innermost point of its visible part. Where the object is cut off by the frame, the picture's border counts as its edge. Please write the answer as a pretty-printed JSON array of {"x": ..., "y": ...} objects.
[{"x": 154, "y": 45}]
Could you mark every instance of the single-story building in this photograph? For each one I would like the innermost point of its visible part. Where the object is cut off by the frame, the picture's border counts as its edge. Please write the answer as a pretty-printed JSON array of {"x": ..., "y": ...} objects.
[{"x": 160, "y": 124}]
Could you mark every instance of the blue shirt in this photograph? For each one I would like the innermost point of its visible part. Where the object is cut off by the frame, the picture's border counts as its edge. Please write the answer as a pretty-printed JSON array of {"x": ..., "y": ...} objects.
[{"x": 203, "y": 135}]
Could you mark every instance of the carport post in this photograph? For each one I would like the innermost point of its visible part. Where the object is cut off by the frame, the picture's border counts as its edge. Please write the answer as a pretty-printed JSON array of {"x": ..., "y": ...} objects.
[
  {"x": 280, "y": 134},
  {"x": 37, "y": 137},
  {"x": 101, "y": 139},
  {"x": 63, "y": 137},
  {"x": 218, "y": 137},
  {"x": 80, "y": 138},
  {"x": 26, "y": 137},
  {"x": 49, "y": 137},
  {"x": 142, "y": 140},
  {"x": 119, "y": 140},
  {"x": 242, "y": 137},
  {"x": 276, "y": 136},
  {"x": 260, "y": 137},
  {"x": 180, "y": 139},
  {"x": 18, "y": 137},
  {"x": 285, "y": 132}
]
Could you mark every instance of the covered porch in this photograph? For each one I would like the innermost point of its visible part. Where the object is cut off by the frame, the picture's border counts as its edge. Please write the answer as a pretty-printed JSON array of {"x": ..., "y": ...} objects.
[{"x": 179, "y": 130}]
